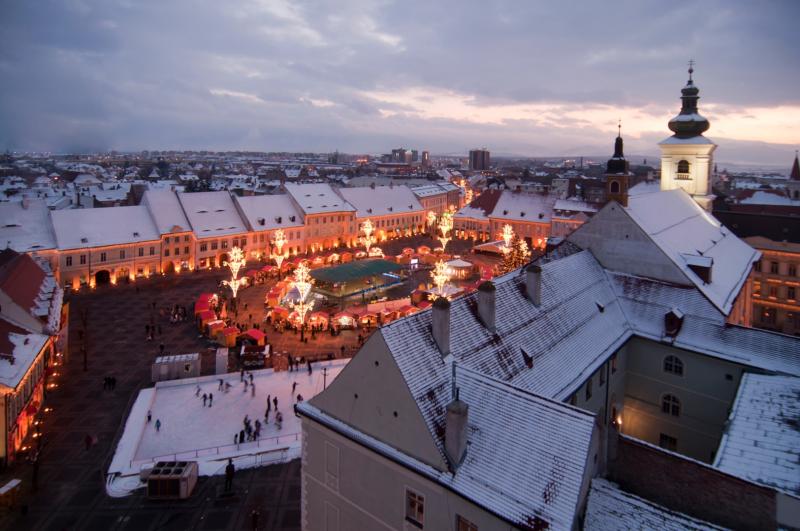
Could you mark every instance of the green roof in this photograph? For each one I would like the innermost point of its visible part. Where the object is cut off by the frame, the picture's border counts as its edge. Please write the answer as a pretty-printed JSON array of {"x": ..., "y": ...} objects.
[{"x": 354, "y": 270}]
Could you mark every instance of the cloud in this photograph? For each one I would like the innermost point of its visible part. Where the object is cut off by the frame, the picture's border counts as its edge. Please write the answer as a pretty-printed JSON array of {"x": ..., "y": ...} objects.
[{"x": 365, "y": 75}]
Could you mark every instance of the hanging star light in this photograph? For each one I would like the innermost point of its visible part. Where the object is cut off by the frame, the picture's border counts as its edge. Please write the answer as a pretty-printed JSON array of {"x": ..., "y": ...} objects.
[
  {"x": 439, "y": 276},
  {"x": 235, "y": 262},
  {"x": 302, "y": 282}
]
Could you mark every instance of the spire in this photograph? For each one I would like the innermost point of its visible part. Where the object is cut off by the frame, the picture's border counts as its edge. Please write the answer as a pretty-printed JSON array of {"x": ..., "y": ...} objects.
[
  {"x": 617, "y": 164},
  {"x": 689, "y": 123},
  {"x": 795, "y": 175}
]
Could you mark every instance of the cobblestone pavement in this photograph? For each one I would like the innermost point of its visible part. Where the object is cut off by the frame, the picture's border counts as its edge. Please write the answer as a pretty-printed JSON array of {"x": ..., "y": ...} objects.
[{"x": 71, "y": 491}]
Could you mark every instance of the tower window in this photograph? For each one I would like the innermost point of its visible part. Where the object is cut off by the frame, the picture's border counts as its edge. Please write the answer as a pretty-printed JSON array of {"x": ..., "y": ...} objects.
[
  {"x": 614, "y": 187},
  {"x": 683, "y": 167}
]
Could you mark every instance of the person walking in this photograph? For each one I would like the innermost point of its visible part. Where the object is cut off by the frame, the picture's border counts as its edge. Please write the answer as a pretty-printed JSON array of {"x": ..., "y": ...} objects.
[
  {"x": 241, "y": 436},
  {"x": 309, "y": 366},
  {"x": 220, "y": 385},
  {"x": 210, "y": 399},
  {"x": 294, "y": 386},
  {"x": 197, "y": 391},
  {"x": 252, "y": 389},
  {"x": 275, "y": 403},
  {"x": 251, "y": 378},
  {"x": 230, "y": 470},
  {"x": 158, "y": 424},
  {"x": 149, "y": 416},
  {"x": 269, "y": 403},
  {"x": 205, "y": 399},
  {"x": 245, "y": 386},
  {"x": 241, "y": 376}
]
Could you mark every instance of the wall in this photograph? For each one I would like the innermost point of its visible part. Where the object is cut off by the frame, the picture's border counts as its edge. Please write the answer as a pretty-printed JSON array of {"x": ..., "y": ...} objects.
[
  {"x": 367, "y": 491},
  {"x": 773, "y": 307},
  {"x": 691, "y": 487},
  {"x": 704, "y": 391}
]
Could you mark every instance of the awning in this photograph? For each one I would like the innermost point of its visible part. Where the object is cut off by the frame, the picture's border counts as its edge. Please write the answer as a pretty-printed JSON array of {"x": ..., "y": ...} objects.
[
  {"x": 230, "y": 331},
  {"x": 207, "y": 315},
  {"x": 256, "y": 335}
]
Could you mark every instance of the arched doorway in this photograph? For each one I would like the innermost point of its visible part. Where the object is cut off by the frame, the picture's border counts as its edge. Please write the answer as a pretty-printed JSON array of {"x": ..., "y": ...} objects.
[
  {"x": 102, "y": 277},
  {"x": 223, "y": 259},
  {"x": 169, "y": 268}
]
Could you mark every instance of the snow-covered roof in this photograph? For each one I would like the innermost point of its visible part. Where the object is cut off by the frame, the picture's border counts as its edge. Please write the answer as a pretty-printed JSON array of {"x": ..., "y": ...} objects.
[
  {"x": 96, "y": 227},
  {"x": 212, "y": 214},
  {"x": 573, "y": 205},
  {"x": 772, "y": 197},
  {"x": 680, "y": 228},
  {"x": 762, "y": 438},
  {"x": 517, "y": 206},
  {"x": 25, "y": 226},
  {"x": 166, "y": 210},
  {"x": 269, "y": 212},
  {"x": 381, "y": 200},
  {"x": 427, "y": 190},
  {"x": 611, "y": 509},
  {"x": 509, "y": 468},
  {"x": 317, "y": 198},
  {"x": 24, "y": 348}
]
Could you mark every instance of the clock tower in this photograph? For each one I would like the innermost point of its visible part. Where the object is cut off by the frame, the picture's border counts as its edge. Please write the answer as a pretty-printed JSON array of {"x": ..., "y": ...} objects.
[{"x": 687, "y": 156}]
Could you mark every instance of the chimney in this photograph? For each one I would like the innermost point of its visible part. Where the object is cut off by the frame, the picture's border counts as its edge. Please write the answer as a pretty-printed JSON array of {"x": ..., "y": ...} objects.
[
  {"x": 455, "y": 431},
  {"x": 440, "y": 325},
  {"x": 486, "y": 304},
  {"x": 533, "y": 284}
]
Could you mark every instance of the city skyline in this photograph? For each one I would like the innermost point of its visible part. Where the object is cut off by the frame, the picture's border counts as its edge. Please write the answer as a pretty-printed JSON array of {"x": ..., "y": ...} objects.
[{"x": 363, "y": 77}]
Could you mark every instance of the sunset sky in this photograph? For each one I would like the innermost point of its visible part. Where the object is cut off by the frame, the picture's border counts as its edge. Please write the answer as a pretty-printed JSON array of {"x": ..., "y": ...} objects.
[{"x": 527, "y": 78}]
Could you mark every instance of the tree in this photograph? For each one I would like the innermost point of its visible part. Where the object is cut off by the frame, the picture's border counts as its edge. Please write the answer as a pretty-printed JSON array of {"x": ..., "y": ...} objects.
[{"x": 514, "y": 257}]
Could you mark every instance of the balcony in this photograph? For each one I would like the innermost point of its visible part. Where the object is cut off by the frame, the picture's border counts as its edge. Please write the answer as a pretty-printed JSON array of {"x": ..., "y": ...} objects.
[{"x": 683, "y": 176}]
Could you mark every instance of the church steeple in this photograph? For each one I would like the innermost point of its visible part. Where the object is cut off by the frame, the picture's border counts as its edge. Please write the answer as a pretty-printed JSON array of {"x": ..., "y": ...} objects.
[
  {"x": 795, "y": 175},
  {"x": 689, "y": 123},
  {"x": 617, "y": 163}
]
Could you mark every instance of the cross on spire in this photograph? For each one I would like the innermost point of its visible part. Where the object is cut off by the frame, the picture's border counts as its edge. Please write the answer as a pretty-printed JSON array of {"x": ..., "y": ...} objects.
[
  {"x": 619, "y": 127},
  {"x": 691, "y": 68}
]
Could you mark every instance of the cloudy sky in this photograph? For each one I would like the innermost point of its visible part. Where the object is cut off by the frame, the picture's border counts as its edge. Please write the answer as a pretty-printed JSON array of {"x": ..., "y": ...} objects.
[{"x": 362, "y": 76}]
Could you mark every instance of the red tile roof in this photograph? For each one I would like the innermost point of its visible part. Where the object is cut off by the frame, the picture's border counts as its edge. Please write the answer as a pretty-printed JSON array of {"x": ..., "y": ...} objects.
[{"x": 20, "y": 278}]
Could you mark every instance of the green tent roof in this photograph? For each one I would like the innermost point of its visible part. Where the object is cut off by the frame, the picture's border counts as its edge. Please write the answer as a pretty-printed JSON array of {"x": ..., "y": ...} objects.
[{"x": 354, "y": 270}]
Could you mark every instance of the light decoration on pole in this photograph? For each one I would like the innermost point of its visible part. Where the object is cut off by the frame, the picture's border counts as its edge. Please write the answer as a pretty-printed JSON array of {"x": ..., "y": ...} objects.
[
  {"x": 524, "y": 251},
  {"x": 507, "y": 235},
  {"x": 431, "y": 218},
  {"x": 302, "y": 282},
  {"x": 236, "y": 261},
  {"x": 439, "y": 276},
  {"x": 445, "y": 226},
  {"x": 368, "y": 229},
  {"x": 279, "y": 240}
]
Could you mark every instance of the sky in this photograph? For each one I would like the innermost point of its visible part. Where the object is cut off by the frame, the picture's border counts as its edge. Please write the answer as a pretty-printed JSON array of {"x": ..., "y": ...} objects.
[{"x": 526, "y": 78}]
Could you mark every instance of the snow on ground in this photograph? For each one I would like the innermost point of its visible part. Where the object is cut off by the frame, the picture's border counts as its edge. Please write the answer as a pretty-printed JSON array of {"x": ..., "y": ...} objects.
[{"x": 191, "y": 432}]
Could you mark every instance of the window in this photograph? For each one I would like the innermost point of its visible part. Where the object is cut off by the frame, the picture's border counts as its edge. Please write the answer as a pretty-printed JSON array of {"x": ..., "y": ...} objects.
[
  {"x": 235, "y": 242},
  {"x": 792, "y": 270},
  {"x": 603, "y": 374},
  {"x": 614, "y": 187},
  {"x": 767, "y": 316},
  {"x": 177, "y": 251},
  {"x": 176, "y": 239},
  {"x": 589, "y": 388},
  {"x": 773, "y": 291},
  {"x": 152, "y": 251},
  {"x": 757, "y": 266},
  {"x": 141, "y": 251},
  {"x": 573, "y": 400},
  {"x": 462, "y": 524},
  {"x": 203, "y": 247},
  {"x": 214, "y": 246},
  {"x": 224, "y": 244},
  {"x": 671, "y": 405},
  {"x": 790, "y": 293},
  {"x": 415, "y": 508},
  {"x": 83, "y": 259},
  {"x": 773, "y": 268},
  {"x": 613, "y": 364},
  {"x": 102, "y": 257},
  {"x": 668, "y": 443},
  {"x": 69, "y": 261},
  {"x": 122, "y": 255},
  {"x": 673, "y": 365},
  {"x": 185, "y": 250},
  {"x": 683, "y": 166},
  {"x": 166, "y": 252},
  {"x": 186, "y": 238}
]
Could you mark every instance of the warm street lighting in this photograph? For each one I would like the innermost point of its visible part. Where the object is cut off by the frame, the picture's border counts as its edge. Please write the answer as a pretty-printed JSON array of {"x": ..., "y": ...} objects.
[
  {"x": 302, "y": 282},
  {"x": 234, "y": 284},
  {"x": 368, "y": 229},
  {"x": 445, "y": 226},
  {"x": 507, "y": 235},
  {"x": 524, "y": 251},
  {"x": 439, "y": 276}
]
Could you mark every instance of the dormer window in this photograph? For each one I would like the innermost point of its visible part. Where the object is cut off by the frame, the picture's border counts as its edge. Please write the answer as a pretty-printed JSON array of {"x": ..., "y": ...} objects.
[
  {"x": 135, "y": 234},
  {"x": 84, "y": 240},
  {"x": 673, "y": 320}
]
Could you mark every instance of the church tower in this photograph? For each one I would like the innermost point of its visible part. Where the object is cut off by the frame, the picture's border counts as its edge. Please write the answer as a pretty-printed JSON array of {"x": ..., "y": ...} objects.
[
  {"x": 687, "y": 156},
  {"x": 618, "y": 173}
]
